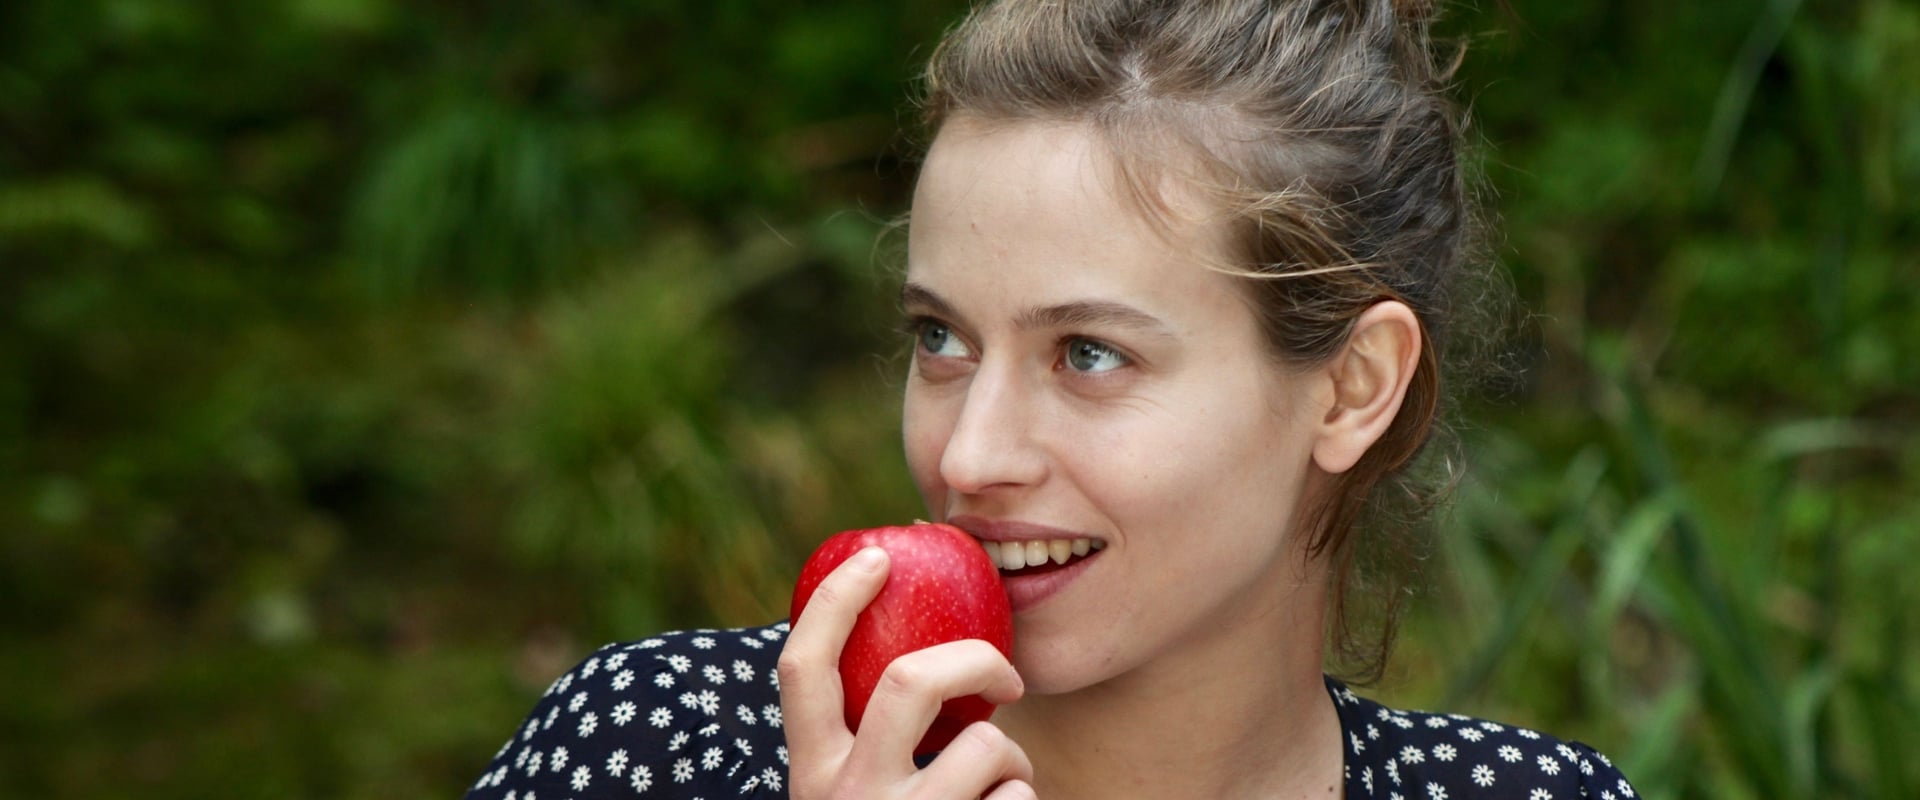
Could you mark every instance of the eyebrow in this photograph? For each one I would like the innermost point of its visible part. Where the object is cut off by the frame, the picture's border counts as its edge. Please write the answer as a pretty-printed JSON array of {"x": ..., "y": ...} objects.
[{"x": 1078, "y": 313}]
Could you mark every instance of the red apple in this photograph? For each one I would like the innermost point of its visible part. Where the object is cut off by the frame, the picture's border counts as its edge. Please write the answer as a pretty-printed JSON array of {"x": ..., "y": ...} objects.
[{"x": 941, "y": 587}]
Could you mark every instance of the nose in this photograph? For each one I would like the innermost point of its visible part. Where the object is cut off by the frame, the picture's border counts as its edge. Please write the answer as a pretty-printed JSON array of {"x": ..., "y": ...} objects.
[{"x": 992, "y": 446}]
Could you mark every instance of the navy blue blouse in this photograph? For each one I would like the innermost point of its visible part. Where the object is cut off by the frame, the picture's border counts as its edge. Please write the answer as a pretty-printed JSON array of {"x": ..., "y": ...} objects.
[{"x": 695, "y": 715}]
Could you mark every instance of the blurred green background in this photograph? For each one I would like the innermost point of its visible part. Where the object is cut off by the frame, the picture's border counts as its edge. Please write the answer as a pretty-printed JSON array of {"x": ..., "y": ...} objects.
[{"x": 363, "y": 364}]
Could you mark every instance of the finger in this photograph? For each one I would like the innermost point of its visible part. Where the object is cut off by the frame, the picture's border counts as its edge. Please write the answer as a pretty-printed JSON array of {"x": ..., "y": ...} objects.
[
  {"x": 911, "y": 690},
  {"x": 982, "y": 756},
  {"x": 812, "y": 706},
  {"x": 1012, "y": 790}
]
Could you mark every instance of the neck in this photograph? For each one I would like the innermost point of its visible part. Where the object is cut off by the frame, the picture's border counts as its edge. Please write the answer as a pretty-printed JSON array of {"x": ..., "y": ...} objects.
[{"x": 1231, "y": 716}]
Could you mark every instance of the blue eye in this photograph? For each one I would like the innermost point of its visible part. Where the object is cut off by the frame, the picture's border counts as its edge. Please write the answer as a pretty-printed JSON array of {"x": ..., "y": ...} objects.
[
  {"x": 1087, "y": 355},
  {"x": 938, "y": 339}
]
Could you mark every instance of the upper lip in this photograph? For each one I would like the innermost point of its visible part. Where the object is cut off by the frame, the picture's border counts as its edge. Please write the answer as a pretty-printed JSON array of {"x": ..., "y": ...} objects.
[{"x": 996, "y": 530}]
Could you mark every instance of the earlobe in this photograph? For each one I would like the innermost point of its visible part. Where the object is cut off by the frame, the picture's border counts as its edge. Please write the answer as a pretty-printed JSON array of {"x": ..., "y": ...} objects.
[{"x": 1369, "y": 379}]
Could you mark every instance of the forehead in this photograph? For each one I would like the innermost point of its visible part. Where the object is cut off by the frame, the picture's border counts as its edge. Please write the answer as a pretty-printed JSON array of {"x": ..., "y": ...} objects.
[
  {"x": 1042, "y": 193},
  {"x": 1010, "y": 220}
]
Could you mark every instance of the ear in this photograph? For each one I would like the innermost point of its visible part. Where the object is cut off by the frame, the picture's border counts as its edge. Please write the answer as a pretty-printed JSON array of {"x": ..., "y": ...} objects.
[{"x": 1369, "y": 379}]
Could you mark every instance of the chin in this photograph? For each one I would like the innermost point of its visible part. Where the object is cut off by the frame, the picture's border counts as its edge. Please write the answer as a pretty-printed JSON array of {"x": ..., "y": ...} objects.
[{"x": 1058, "y": 666}]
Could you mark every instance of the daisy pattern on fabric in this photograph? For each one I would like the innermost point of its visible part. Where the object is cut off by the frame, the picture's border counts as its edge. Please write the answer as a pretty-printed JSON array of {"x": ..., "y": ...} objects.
[
  {"x": 1482, "y": 775},
  {"x": 704, "y": 723}
]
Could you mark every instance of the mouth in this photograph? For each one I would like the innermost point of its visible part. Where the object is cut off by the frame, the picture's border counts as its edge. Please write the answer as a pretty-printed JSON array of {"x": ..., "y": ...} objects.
[
  {"x": 1034, "y": 556},
  {"x": 1020, "y": 548}
]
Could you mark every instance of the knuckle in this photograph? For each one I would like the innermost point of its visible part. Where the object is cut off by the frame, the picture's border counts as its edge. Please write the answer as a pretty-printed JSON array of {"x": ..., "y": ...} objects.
[
  {"x": 792, "y": 667},
  {"x": 903, "y": 677},
  {"x": 986, "y": 736},
  {"x": 827, "y": 594}
]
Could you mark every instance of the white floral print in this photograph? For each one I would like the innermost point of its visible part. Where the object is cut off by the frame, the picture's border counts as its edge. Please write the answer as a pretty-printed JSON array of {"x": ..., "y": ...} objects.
[{"x": 696, "y": 716}]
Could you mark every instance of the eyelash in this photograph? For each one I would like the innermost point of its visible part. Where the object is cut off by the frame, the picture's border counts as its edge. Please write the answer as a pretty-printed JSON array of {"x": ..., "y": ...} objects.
[{"x": 915, "y": 327}]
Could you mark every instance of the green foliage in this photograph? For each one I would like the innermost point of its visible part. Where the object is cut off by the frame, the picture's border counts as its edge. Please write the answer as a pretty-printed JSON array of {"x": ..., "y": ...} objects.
[
  {"x": 1683, "y": 539},
  {"x": 364, "y": 363}
]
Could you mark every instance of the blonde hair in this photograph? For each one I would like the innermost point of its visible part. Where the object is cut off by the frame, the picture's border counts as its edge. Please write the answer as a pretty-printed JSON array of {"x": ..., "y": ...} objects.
[{"x": 1323, "y": 130}]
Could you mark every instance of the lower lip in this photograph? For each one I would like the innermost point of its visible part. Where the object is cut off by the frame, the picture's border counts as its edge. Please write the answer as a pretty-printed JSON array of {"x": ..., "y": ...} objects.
[{"x": 1025, "y": 592}]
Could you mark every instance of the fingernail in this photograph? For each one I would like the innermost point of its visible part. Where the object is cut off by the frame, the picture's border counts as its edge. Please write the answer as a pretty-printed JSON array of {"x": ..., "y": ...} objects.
[{"x": 869, "y": 558}]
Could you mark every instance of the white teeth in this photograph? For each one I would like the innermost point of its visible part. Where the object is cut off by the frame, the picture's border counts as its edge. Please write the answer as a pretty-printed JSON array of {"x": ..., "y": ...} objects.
[
  {"x": 1012, "y": 556},
  {"x": 1036, "y": 553}
]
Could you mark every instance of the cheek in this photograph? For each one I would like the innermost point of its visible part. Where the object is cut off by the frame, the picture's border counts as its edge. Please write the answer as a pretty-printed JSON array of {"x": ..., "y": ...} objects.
[
  {"x": 1232, "y": 463},
  {"x": 924, "y": 431}
]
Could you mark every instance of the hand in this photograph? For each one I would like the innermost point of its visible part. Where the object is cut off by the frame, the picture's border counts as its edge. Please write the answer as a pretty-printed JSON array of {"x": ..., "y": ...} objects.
[{"x": 829, "y": 762}]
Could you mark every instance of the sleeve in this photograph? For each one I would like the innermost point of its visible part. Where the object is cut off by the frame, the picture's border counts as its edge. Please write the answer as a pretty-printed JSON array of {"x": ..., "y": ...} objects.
[
  {"x": 1599, "y": 778},
  {"x": 683, "y": 715}
]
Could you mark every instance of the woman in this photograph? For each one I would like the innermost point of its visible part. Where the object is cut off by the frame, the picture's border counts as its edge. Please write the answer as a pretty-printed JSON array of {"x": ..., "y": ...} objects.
[{"x": 1180, "y": 279}]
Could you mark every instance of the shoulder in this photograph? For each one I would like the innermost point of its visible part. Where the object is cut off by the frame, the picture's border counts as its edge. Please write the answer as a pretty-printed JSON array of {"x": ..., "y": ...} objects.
[
  {"x": 681, "y": 714},
  {"x": 1392, "y": 753}
]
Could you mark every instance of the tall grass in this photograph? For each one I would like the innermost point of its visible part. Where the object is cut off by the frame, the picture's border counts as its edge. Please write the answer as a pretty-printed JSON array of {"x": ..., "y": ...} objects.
[{"x": 1729, "y": 619}]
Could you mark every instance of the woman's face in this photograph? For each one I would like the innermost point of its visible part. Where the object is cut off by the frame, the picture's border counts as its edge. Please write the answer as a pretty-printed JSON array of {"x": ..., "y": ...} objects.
[{"x": 1079, "y": 374}]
